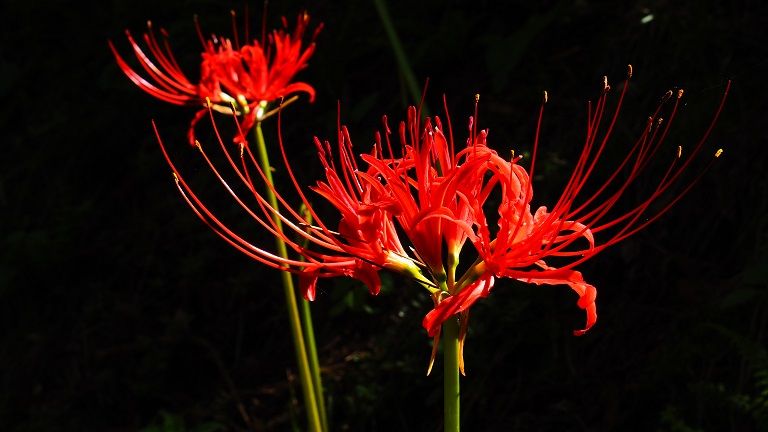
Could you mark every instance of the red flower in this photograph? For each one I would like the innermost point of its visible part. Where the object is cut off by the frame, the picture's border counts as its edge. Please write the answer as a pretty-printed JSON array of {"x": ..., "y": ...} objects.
[
  {"x": 362, "y": 242},
  {"x": 236, "y": 78},
  {"x": 567, "y": 232},
  {"x": 439, "y": 200}
]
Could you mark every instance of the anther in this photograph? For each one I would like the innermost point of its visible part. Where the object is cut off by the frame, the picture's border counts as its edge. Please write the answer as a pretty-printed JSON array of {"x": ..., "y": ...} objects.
[
  {"x": 680, "y": 93},
  {"x": 629, "y": 71},
  {"x": 679, "y": 151},
  {"x": 198, "y": 145},
  {"x": 718, "y": 153},
  {"x": 546, "y": 97},
  {"x": 207, "y": 102},
  {"x": 175, "y": 177},
  {"x": 477, "y": 97}
]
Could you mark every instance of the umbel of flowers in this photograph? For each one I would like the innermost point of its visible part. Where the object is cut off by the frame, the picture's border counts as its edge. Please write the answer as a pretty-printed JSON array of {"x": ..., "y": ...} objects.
[
  {"x": 415, "y": 201},
  {"x": 235, "y": 78}
]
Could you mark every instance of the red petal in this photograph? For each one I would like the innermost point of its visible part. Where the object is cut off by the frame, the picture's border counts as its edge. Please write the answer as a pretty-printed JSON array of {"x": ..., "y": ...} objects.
[
  {"x": 369, "y": 275},
  {"x": 456, "y": 304},
  {"x": 587, "y": 293},
  {"x": 308, "y": 283}
]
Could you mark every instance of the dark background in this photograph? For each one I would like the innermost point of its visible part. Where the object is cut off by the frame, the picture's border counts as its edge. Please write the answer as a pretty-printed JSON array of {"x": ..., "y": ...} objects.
[{"x": 119, "y": 310}]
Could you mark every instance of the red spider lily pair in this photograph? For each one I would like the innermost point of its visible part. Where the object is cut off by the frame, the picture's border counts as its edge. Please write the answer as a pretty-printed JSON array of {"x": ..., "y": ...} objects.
[
  {"x": 236, "y": 79},
  {"x": 439, "y": 200},
  {"x": 427, "y": 193}
]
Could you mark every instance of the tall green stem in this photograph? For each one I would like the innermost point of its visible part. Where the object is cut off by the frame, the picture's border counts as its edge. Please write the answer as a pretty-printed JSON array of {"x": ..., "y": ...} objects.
[
  {"x": 451, "y": 391},
  {"x": 305, "y": 373},
  {"x": 314, "y": 363}
]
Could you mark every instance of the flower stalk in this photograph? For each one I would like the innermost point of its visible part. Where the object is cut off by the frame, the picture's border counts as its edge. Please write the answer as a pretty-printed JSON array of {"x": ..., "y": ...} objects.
[
  {"x": 314, "y": 362},
  {"x": 310, "y": 380},
  {"x": 451, "y": 392}
]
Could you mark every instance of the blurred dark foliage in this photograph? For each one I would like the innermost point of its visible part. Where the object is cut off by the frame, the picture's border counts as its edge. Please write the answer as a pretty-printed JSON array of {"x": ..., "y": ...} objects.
[{"x": 119, "y": 310}]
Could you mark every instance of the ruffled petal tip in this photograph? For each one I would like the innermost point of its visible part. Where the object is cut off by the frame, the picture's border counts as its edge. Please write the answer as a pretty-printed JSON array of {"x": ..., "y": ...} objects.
[
  {"x": 369, "y": 275},
  {"x": 587, "y": 302},
  {"x": 308, "y": 284},
  {"x": 586, "y": 292}
]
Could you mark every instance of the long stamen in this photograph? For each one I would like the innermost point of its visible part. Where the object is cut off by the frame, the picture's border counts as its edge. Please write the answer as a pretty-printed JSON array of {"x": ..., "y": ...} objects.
[
  {"x": 219, "y": 227},
  {"x": 199, "y": 32},
  {"x": 450, "y": 132},
  {"x": 528, "y": 183}
]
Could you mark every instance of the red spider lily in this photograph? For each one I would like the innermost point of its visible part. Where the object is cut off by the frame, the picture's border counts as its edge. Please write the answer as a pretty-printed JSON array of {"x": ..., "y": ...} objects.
[
  {"x": 364, "y": 242},
  {"x": 524, "y": 239},
  {"x": 239, "y": 79},
  {"x": 438, "y": 199}
]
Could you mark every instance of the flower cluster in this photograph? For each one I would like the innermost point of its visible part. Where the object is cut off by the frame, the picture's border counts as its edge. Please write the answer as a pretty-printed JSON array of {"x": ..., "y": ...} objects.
[
  {"x": 236, "y": 79},
  {"x": 416, "y": 209}
]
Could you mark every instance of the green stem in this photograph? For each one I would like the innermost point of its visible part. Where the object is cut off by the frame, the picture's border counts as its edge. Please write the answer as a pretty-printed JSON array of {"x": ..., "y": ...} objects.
[
  {"x": 397, "y": 47},
  {"x": 451, "y": 392},
  {"x": 305, "y": 374},
  {"x": 314, "y": 364}
]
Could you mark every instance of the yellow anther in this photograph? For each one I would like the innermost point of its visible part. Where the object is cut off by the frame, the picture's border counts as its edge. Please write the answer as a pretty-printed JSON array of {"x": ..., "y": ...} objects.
[
  {"x": 477, "y": 97},
  {"x": 198, "y": 145},
  {"x": 718, "y": 153},
  {"x": 679, "y": 151},
  {"x": 175, "y": 177},
  {"x": 680, "y": 93},
  {"x": 629, "y": 71},
  {"x": 207, "y": 102},
  {"x": 546, "y": 96}
]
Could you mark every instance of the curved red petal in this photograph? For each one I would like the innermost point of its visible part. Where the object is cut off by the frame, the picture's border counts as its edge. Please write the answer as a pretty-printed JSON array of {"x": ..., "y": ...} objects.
[
  {"x": 456, "y": 304},
  {"x": 308, "y": 283},
  {"x": 587, "y": 293}
]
